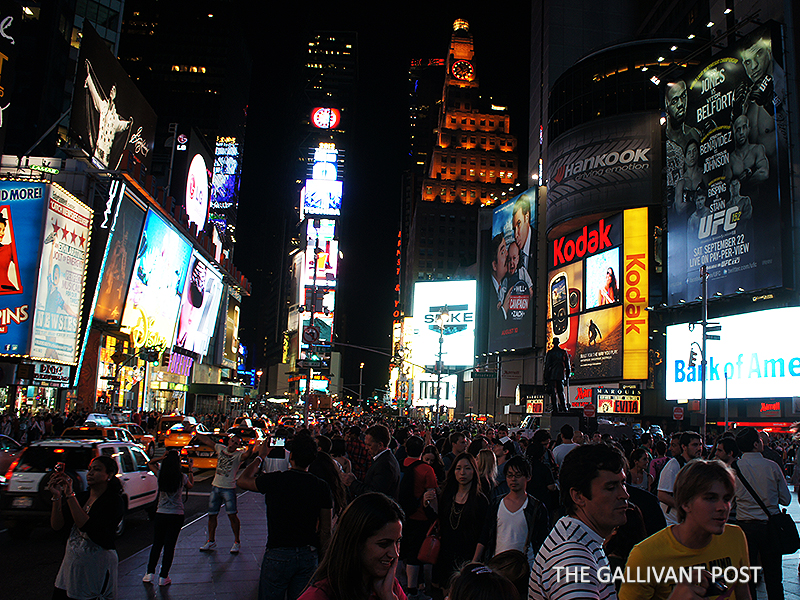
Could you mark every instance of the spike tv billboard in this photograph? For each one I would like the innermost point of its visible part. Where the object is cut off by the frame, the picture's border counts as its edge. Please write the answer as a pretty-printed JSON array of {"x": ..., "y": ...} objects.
[{"x": 727, "y": 171}]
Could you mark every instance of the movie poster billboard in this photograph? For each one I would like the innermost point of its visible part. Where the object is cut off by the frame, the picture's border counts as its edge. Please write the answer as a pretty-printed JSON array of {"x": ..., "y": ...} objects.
[
  {"x": 62, "y": 270},
  {"x": 612, "y": 162},
  {"x": 127, "y": 227},
  {"x": 511, "y": 259},
  {"x": 109, "y": 114},
  {"x": 154, "y": 297},
  {"x": 22, "y": 205},
  {"x": 202, "y": 292},
  {"x": 726, "y": 163}
]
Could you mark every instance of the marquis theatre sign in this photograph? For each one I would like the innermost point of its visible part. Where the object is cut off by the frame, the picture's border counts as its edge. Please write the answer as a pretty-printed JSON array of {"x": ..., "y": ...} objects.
[{"x": 608, "y": 162}]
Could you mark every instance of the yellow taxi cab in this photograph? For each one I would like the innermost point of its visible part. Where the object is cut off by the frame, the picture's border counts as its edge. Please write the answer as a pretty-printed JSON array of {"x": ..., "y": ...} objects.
[
  {"x": 181, "y": 434},
  {"x": 163, "y": 425},
  {"x": 249, "y": 435},
  {"x": 202, "y": 455},
  {"x": 98, "y": 432},
  {"x": 144, "y": 439}
]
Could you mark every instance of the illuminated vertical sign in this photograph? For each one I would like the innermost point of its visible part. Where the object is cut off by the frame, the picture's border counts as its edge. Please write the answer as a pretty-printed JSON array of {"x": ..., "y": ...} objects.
[{"x": 636, "y": 296}]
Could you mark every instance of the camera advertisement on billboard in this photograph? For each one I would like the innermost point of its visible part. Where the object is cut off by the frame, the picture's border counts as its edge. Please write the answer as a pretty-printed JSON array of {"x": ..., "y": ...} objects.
[
  {"x": 62, "y": 272},
  {"x": 597, "y": 290},
  {"x": 458, "y": 330},
  {"x": 109, "y": 114},
  {"x": 510, "y": 307},
  {"x": 727, "y": 170},
  {"x": 743, "y": 363},
  {"x": 159, "y": 276},
  {"x": 202, "y": 292},
  {"x": 22, "y": 205}
]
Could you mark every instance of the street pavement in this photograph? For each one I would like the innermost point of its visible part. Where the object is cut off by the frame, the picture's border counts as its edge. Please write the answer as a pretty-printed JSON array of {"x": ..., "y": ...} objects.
[{"x": 220, "y": 575}]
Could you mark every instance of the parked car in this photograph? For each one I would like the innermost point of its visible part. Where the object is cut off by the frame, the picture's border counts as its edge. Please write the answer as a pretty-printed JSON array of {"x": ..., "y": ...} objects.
[
  {"x": 144, "y": 439},
  {"x": 25, "y": 500},
  {"x": 9, "y": 451}
]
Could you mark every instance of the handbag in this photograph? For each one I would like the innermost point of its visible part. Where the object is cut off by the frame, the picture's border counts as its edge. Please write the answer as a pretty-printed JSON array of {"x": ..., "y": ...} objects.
[
  {"x": 429, "y": 549},
  {"x": 781, "y": 528}
]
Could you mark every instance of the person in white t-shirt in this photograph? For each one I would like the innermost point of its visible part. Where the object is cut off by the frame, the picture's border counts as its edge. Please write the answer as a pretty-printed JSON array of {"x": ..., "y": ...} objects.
[
  {"x": 223, "y": 488},
  {"x": 566, "y": 445}
]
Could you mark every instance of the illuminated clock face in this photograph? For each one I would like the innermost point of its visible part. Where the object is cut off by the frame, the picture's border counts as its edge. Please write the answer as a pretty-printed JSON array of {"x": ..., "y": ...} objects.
[
  {"x": 462, "y": 69},
  {"x": 325, "y": 118}
]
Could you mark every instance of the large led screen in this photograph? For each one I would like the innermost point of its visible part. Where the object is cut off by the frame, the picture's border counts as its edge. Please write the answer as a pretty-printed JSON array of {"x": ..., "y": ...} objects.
[
  {"x": 202, "y": 292},
  {"x": 62, "y": 271},
  {"x": 757, "y": 356},
  {"x": 109, "y": 114},
  {"x": 511, "y": 260},
  {"x": 230, "y": 350},
  {"x": 458, "y": 343},
  {"x": 127, "y": 228},
  {"x": 22, "y": 206},
  {"x": 322, "y": 197},
  {"x": 727, "y": 171},
  {"x": 154, "y": 298},
  {"x": 322, "y": 249}
]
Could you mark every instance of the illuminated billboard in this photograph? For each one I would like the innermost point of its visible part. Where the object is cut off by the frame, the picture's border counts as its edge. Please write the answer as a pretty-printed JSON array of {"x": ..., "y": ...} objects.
[
  {"x": 511, "y": 258},
  {"x": 197, "y": 196},
  {"x": 62, "y": 272},
  {"x": 727, "y": 171},
  {"x": 597, "y": 292},
  {"x": 230, "y": 350},
  {"x": 154, "y": 297},
  {"x": 325, "y": 118},
  {"x": 202, "y": 292},
  {"x": 458, "y": 346},
  {"x": 746, "y": 362},
  {"x": 109, "y": 115},
  {"x": 225, "y": 184},
  {"x": 22, "y": 206},
  {"x": 322, "y": 197}
]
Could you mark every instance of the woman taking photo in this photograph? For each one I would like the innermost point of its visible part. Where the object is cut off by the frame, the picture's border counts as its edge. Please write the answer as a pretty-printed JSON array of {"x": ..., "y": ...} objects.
[
  {"x": 462, "y": 510},
  {"x": 361, "y": 559},
  {"x": 169, "y": 514},
  {"x": 89, "y": 567}
]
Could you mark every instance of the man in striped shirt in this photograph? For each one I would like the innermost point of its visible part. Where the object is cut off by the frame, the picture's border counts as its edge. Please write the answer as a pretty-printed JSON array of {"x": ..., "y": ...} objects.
[{"x": 593, "y": 490}]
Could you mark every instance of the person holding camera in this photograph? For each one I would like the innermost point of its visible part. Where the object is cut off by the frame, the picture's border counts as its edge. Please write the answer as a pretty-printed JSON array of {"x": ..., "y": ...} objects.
[
  {"x": 169, "y": 514},
  {"x": 89, "y": 567}
]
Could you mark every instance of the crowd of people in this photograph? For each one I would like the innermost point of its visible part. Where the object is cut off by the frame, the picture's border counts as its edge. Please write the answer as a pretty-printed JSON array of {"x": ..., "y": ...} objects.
[{"x": 351, "y": 509}]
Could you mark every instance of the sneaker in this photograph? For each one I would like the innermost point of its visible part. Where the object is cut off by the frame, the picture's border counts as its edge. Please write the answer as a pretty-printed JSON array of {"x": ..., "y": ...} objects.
[
  {"x": 164, "y": 581},
  {"x": 235, "y": 548},
  {"x": 148, "y": 577},
  {"x": 208, "y": 546}
]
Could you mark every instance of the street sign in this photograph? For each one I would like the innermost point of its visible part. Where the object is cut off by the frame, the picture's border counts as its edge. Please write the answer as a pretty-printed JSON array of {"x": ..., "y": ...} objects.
[
  {"x": 311, "y": 364},
  {"x": 310, "y": 334},
  {"x": 484, "y": 374},
  {"x": 677, "y": 413},
  {"x": 589, "y": 411}
]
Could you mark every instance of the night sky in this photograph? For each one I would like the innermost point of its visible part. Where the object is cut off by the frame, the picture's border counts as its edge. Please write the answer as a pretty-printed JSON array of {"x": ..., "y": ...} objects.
[{"x": 379, "y": 142}]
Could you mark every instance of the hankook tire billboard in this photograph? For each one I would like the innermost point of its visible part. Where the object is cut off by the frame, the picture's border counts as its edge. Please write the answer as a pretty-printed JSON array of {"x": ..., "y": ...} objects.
[{"x": 605, "y": 165}]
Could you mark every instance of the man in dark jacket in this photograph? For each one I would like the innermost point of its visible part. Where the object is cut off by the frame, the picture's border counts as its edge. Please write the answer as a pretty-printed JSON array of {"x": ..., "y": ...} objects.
[{"x": 384, "y": 473}]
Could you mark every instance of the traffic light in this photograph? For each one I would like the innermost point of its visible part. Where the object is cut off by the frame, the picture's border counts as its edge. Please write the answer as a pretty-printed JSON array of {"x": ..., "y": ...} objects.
[{"x": 692, "y": 357}]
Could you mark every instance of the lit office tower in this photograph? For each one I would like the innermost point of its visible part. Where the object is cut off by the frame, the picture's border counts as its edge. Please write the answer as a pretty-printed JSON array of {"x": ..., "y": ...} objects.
[{"x": 473, "y": 160}]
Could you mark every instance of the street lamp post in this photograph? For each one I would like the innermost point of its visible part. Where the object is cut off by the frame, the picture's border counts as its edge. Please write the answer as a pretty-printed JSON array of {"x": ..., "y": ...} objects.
[
  {"x": 360, "y": 381},
  {"x": 442, "y": 318}
]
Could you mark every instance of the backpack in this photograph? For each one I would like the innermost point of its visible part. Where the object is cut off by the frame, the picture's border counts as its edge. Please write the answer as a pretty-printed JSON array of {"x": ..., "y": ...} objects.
[{"x": 405, "y": 497}]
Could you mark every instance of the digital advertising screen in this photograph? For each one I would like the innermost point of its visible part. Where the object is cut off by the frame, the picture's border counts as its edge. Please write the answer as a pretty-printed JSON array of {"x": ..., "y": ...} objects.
[
  {"x": 327, "y": 259},
  {"x": 22, "y": 207},
  {"x": 202, "y": 293},
  {"x": 230, "y": 350},
  {"x": 321, "y": 197},
  {"x": 511, "y": 257},
  {"x": 109, "y": 114},
  {"x": 157, "y": 284},
  {"x": 746, "y": 362},
  {"x": 197, "y": 197},
  {"x": 727, "y": 170},
  {"x": 62, "y": 272},
  {"x": 224, "y": 183},
  {"x": 127, "y": 228},
  {"x": 597, "y": 293},
  {"x": 458, "y": 345}
]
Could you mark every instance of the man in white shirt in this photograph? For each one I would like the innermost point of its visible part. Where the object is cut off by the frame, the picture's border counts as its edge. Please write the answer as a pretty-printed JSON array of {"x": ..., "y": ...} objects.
[
  {"x": 691, "y": 448},
  {"x": 767, "y": 480},
  {"x": 566, "y": 445}
]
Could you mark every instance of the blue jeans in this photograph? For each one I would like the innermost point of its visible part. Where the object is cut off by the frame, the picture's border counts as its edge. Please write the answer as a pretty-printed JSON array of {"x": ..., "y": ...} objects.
[{"x": 285, "y": 572}]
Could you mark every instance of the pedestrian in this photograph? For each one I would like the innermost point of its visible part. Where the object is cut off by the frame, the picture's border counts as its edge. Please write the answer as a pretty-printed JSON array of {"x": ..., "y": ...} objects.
[
  {"x": 461, "y": 510},
  {"x": 690, "y": 446},
  {"x": 567, "y": 444},
  {"x": 357, "y": 452},
  {"x": 299, "y": 507},
  {"x": 361, "y": 560},
  {"x": 487, "y": 472},
  {"x": 458, "y": 444},
  {"x": 89, "y": 567},
  {"x": 339, "y": 454},
  {"x": 476, "y": 581},
  {"x": 431, "y": 456},
  {"x": 223, "y": 488},
  {"x": 168, "y": 519},
  {"x": 703, "y": 493},
  {"x": 383, "y": 474}
]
